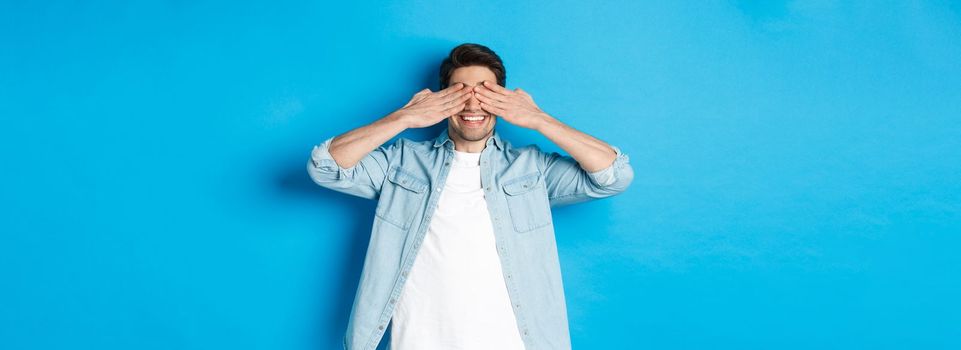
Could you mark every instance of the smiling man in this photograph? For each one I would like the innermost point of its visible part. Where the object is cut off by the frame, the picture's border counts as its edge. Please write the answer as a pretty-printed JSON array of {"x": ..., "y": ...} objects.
[{"x": 462, "y": 252}]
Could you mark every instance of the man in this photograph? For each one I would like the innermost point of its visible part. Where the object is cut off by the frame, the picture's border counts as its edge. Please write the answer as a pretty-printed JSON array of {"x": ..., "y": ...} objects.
[{"x": 462, "y": 252}]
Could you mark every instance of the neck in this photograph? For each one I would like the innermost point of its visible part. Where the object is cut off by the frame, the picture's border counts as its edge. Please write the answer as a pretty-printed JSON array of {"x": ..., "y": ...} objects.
[{"x": 468, "y": 146}]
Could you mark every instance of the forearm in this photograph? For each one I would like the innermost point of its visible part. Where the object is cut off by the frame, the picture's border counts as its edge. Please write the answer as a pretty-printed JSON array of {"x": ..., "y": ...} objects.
[
  {"x": 349, "y": 148},
  {"x": 590, "y": 153}
]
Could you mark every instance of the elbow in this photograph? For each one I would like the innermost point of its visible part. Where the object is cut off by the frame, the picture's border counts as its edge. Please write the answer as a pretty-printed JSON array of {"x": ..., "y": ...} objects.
[
  {"x": 318, "y": 175},
  {"x": 624, "y": 179},
  {"x": 614, "y": 179},
  {"x": 321, "y": 168}
]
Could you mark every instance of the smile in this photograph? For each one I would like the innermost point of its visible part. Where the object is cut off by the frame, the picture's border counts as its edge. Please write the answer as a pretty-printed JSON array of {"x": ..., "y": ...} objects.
[{"x": 473, "y": 120}]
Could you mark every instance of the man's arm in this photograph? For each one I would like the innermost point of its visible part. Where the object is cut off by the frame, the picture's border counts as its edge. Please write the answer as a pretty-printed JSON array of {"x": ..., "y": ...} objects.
[
  {"x": 347, "y": 149},
  {"x": 592, "y": 154},
  {"x": 355, "y": 162},
  {"x": 593, "y": 170}
]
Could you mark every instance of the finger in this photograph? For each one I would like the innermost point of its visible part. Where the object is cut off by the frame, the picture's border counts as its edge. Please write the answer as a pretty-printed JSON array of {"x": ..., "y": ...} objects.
[
  {"x": 497, "y": 88},
  {"x": 464, "y": 96},
  {"x": 450, "y": 89},
  {"x": 417, "y": 98},
  {"x": 485, "y": 92},
  {"x": 492, "y": 109},
  {"x": 484, "y": 98},
  {"x": 524, "y": 94},
  {"x": 422, "y": 92},
  {"x": 449, "y": 111},
  {"x": 454, "y": 97}
]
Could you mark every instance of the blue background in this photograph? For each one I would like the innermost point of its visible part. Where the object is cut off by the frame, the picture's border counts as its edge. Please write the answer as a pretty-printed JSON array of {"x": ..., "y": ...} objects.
[{"x": 797, "y": 167}]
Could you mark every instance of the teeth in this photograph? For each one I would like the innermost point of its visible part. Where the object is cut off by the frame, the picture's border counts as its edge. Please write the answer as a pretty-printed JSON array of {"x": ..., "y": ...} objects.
[{"x": 473, "y": 118}]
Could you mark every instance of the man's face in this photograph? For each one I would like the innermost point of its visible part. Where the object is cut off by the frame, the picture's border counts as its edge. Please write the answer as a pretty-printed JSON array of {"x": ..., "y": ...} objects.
[{"x": 472, "y": 130}]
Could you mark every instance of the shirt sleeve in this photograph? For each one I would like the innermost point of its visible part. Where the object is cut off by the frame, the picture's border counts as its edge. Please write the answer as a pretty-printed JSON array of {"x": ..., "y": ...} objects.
[
  {"x": 364, "y": 179},
  {"x": 568, "y": 183}
]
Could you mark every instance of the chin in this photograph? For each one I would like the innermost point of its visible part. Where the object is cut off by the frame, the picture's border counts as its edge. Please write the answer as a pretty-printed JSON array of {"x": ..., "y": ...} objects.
[{"x": 473, "y": 134}]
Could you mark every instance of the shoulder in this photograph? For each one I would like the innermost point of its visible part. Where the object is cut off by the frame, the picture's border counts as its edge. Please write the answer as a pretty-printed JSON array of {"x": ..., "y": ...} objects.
[
  {"x": 530, "y": 154},
  {"x": 408, "y": 149},
  {"x": 425, "y": 146},
  {"x": 403, "y": 143},
  {"x": 528, "y": 150}
]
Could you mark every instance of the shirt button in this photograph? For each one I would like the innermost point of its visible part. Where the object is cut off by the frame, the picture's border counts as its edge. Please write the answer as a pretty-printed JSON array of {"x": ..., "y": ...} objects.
[
  {"x": 392, "y": 300},
  {"x": 381, "y": 327},
  {"x": 446, "y": 163},
  {"x": 404, "y": 273},
  {"x": 488, "y": 189}
]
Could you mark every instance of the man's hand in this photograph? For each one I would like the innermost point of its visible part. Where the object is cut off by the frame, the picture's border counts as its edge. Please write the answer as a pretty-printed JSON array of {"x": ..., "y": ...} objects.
[
  {"x": 516, "y": 107},
  {"x": 427, "y": 108}
]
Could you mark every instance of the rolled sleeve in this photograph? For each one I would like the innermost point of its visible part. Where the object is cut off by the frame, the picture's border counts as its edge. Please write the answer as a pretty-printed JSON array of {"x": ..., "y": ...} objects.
[
  {"x": 608, "y": 176},
  {"x": 364, "y": 179},
  {"x": 568, "y": 183},
  {"x": 325, "y": 164}
]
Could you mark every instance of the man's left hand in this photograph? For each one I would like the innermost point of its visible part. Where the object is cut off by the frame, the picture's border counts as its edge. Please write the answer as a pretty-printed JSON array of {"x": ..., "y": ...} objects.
[{"x": 516, "y": 107}]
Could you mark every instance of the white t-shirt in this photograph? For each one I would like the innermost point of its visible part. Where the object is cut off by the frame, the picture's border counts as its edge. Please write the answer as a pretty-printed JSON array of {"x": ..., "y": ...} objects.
[{"x": 455, "y": 296}]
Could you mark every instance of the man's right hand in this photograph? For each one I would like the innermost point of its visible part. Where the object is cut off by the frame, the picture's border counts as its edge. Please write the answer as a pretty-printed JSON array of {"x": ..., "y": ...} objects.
[{"x": 427, "y": 108}]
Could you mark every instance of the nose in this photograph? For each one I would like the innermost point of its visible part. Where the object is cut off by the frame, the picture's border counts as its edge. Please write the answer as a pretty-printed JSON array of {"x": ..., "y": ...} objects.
[{"x": 473, "y": 104}]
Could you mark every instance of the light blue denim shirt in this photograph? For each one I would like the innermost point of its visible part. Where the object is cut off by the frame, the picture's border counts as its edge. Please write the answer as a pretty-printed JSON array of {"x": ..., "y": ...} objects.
[{"x": 520, "y": 184}]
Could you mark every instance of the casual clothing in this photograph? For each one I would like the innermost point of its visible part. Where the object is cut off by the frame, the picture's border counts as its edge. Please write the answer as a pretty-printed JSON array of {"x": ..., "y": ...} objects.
[
  {"x": 455, "y": 296},
  {"x": 407, "y": 179}
]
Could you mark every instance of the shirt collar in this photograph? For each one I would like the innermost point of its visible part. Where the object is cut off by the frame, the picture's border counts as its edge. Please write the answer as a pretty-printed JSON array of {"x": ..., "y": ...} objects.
[{"x": 444, "y": 138}]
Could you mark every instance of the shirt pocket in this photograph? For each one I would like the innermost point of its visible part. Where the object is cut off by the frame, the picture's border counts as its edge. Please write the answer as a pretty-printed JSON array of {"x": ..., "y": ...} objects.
[
  {"x": 401, "y": 197},
  {"x": 527, "y": 202}
]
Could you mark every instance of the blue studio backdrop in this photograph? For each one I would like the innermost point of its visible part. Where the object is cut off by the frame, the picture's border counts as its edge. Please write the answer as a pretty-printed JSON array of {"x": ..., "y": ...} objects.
[{"x": 796, "y": 166}]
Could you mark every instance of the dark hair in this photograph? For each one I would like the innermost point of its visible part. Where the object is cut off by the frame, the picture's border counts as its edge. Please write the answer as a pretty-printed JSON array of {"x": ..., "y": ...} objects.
[{"x": 465, "y": 55}]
